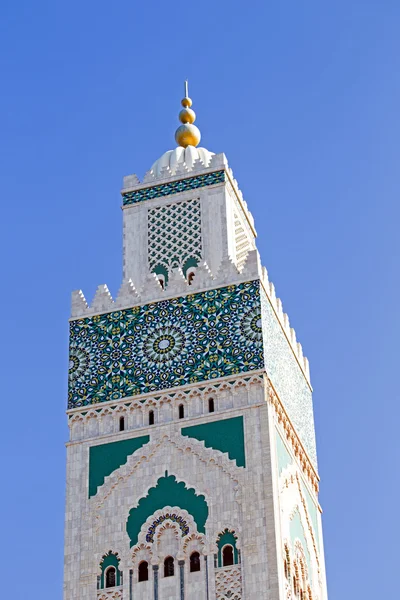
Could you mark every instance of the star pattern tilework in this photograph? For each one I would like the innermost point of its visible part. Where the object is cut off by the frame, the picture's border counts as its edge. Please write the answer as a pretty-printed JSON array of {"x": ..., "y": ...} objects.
[{"x": 165, "y": 344}]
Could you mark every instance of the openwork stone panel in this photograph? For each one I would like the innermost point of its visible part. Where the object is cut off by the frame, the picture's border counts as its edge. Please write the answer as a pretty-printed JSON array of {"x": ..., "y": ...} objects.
[
  {"x": 174, "y": 235},
  {"x": 112, "y": 594},
  {"x": 174, "y": 187},
  {"x": 228, "y": 583},
  {"x": 165, "y": 344}
]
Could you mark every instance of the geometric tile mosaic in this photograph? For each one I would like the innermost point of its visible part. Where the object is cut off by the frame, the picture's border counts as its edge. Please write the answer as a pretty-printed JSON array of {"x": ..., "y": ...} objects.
[
  {"x": 174, "y": 235},
  {"x": 165, "y": 344},
  {"x": 174, "y": 187}
]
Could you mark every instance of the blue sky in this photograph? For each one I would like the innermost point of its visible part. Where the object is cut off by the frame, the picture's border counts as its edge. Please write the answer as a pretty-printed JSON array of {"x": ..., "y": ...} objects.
[{"x": 303, "y": 98}]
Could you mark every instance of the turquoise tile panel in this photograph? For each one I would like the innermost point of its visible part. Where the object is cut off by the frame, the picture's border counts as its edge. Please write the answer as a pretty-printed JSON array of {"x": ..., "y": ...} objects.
[{"x": 174, "y": 187}]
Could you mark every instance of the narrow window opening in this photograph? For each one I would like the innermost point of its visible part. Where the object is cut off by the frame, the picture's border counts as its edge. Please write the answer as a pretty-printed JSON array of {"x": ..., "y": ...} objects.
[
  {"x": 161, "y": 283},
  {"x": 211, "y": 407},
  {"x": 169, "y": 569},
  {"x": 227, "y": 556},
  {"x": 110, "y": 577},
  {"x": 194, "y": 562},
  {"x": 143, "y": 571},
  {"x": 295, "y": 585},
  {"x": 190, "y": 277},
  {"x": 122, "y": 424},
  {"x": 151, "y": 417},
  {"x": 181, "y": 411}
]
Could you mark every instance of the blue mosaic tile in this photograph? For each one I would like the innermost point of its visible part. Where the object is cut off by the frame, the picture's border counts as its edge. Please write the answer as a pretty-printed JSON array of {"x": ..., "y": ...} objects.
[
  {"x": 174, "y": 187},
  {"x": 165, "y": 344},
  {"x": 287, "y": 378}
]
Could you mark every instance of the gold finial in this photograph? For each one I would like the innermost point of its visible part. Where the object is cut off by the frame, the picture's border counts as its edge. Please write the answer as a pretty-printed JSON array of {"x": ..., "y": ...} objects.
[{"x": 187, "y": 134}]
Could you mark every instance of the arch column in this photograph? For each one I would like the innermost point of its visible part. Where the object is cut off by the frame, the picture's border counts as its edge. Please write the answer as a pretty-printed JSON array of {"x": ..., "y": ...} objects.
[
  {"x": 155, "y": 578},
  {"x": 181, "y": 564}
]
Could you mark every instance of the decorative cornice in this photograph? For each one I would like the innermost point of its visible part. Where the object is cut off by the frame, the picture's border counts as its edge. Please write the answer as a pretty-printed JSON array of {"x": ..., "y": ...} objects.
[
  {"x": 202, "y": 388},
  {"x": 174, "y": 187}
]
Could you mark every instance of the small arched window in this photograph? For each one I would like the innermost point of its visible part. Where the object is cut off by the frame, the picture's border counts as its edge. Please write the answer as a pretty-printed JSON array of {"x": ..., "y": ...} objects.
[
  {"x": 194, "y": 562},
  {"x": 122, "y": 423},
  {"x": 181, "y": 411},
  {"x": 143, "y": 571},
  {"x": 190, "y": 277},
  {"x": 161, "y": 281},
  {"x": 151, "y": 417},
  {"x": 227, "y": 556},
  {"x": 211, "y": 406},
  {"x": 110, "y": 577},
  {"x": 169, "y": 568}
]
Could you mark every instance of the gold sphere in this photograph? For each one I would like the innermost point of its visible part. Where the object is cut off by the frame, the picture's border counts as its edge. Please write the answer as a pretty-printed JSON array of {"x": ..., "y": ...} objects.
[
  {"x": 187, "y": 135},
  {"x": 186, "y": 102},
  {"x": 187, "y": 115}
]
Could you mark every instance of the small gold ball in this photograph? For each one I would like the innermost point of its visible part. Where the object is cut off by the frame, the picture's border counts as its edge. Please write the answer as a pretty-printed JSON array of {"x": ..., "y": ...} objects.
[
  {"x": 187, "y": 115},
  {"x": 187, "y": 102},
  {"x": 187, "y": 135}
]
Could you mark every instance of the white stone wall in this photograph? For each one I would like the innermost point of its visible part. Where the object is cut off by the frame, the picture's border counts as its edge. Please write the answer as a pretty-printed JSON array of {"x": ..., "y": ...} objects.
[
  {"x": 238, "y": 498},
  {"x": 295, "y": 498}
]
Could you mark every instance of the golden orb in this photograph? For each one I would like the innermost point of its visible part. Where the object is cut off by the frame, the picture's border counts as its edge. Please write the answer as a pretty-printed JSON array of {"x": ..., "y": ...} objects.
[
  {"x": 186, "y": 102},
  {"x": 187, "y": 135},
  {"x": 187, "y": 115}
]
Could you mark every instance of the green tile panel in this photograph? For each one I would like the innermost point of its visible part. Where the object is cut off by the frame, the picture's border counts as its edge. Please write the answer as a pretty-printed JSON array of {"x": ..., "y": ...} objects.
[
  {"x": 226, "y": 435},
  {"x": 106, "y": 458}
]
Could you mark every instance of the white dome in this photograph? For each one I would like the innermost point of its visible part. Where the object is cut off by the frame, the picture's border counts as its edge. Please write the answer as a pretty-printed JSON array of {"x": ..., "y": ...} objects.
[{"x": 174, "y": 158}]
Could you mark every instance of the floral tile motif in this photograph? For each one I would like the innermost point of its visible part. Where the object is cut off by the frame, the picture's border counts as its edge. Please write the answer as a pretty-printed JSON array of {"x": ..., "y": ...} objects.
[
  {"x": 165, "y": 344},
  {"x": 174, "y": 187}
]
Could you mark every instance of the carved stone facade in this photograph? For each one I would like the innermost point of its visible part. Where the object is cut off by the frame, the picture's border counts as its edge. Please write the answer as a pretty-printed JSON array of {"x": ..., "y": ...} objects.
[{"x": 191, "y": 465}]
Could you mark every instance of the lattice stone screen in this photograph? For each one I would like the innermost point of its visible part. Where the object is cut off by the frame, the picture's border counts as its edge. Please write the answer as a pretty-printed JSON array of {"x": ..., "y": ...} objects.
[
  {"x": 228, "y": 583},
  {"x": 174, "y": 236}
]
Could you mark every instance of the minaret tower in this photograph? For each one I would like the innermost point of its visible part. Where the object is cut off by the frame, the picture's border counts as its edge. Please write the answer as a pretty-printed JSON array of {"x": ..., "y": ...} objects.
[{"x": 191, "y": 465}]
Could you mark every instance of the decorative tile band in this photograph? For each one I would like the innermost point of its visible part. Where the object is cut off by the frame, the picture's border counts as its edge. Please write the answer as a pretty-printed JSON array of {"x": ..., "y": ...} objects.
[
  {"x": 166, "y": 344},
  {"x": 174, "y": 187},
  {"x": 174, "y": 518}
]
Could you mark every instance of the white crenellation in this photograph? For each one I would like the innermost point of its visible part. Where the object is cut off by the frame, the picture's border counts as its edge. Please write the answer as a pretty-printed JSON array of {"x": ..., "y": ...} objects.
[
  {"x": 102, "y": 301},
  {"x": 79, "y": 306},
  {"x": 131, "y": 181},
  {"x": 177, "y": 284},
  {"x": 127, "y": 295}
]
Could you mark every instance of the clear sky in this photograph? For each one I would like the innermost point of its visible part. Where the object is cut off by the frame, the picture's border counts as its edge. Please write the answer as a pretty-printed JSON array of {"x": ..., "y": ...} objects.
[{"x": 304, "y": 99}]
